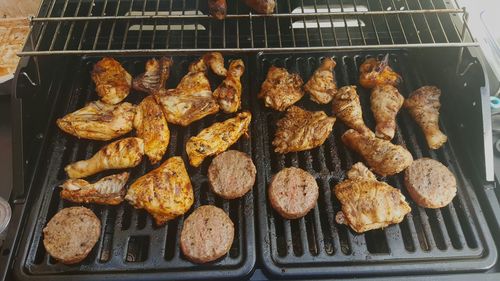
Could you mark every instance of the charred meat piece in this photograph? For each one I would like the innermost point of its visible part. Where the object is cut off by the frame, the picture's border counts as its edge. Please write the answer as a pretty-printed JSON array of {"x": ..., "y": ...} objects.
[
  {"x": 302, "y": 130},
  {"x": 322, "y": 86},
  {"x": 217, "y": 8},
  {"x": 155, "y": 77},
  {"x": 99, "y": 121},
  {"x": 386, "y": 101},
  {"x": 374, "y": 72},
  {"x": 112, "y": 81},
  {"x": 109, "y": 190},
  {"x": 281, "y": 89},
  {"x": 368, "y": 203},
  {"x": 262, "y": 6},
  {"x": 347, "y": 108},
  {"x": 228, "y": 94}
]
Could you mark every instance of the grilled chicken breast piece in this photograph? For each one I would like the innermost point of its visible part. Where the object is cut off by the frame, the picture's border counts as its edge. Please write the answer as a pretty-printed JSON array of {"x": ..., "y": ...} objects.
[
  {"x": 302, "y": 130},
  {"x": 322, "y": 86},
  {"x": 120, "y": 154},
  {"x": 165, "y": 193},
  {"x": 383, "y": 157},
  {"x": 262, "y": 6},
  {"x": 109, "y": 190},
  {"x": 386, "y": 101},
  {"x": 217, "y": 8},
  {"x": 368, "y": 203},
  {"x": 99, "y": 121},
  {"x": 151, "y": 126},
  {"x": 228, "y": 94},
  {"x": 217, "y": 138},
  {"x": 374, "y": 72},
  {"x": 423, "y": 105},
  {"x": 281, "y": 89},
  {"x": 112, "y": 81},
  {"x": 347, "y": 108},
  {"x": 155, "y": 77}
]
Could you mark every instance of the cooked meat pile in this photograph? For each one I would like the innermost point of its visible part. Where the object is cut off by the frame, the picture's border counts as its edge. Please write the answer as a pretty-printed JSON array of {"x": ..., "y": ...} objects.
[
  {"x": 109, "y": 190},
  {"x": 152, "y": 127},
  {"x": 347, "y": 108},
  {"x": 386, "y": 101},
  {"x": 302, "y": 130},
  {"x": 322, "y": 86},
  {"x": 217, "y": 138},
  {"x": 430, "y": 183},
  {"x": 374, "y": 72},
  {"x": 99, "y": 121},
  {"x": 165, "y": 192},
  {"x": 217, "y": 8},
  {"x": 281, "y": 89},
  {"x": 207, "y": 234},
  {"x": 112, "y": 81},
  {"x": 120, "y": 154},
  {"x": 71, "y": 234},
  {"x": 383, "y": 157},
  {"x": 155, "y": 77},
  {"x": 368, "y": 203},
  {"x": 228, "y": 94},
  {"x": 423, "y": 105},
  {"x": 262, "y": 6}
]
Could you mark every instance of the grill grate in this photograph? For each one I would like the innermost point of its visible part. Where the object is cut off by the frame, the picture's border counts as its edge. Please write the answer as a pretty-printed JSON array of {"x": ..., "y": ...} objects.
[
  {"x": 146, "y": 26},
  {"x": 317, "y": 246}
]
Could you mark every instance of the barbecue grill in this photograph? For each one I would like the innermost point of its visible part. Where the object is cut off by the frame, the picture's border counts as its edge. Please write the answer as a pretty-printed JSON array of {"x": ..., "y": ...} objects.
[{"x": 428, "y": 42}]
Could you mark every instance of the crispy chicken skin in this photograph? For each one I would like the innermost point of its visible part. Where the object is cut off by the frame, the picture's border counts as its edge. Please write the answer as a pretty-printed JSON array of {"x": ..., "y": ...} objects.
[
  {"x": 217, "y": 8},
  {"x": 112, "y": 81},
  {"x": 217, "y": 138},
  {"x": 155, "y": 77},
  {"x": 151, "y": 126},
  {"x": 281, "y": 89},
  {"x": 321, "y": 86},
  {"x": 386, "y": 101},
  {"x": 374, "y": 72},
  {"x": 347, "y": 108},
  {"x": 368, "y": 203},
  {"x": 302, "y": 130},
  {"x": 383, "y": 157},
  {"x": 120, "y": 154},
  {"x": 165, "y": 193},
  {"x": 99, "y": 121},
  {"x": 228, "y": 94},
  {"x": 109, "y": 190},
  {"x": 423, "y": 105},
  {"x": 262, "y": 6}
]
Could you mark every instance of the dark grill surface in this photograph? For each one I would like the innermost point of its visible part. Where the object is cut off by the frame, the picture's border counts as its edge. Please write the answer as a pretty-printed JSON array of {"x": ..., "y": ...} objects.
[{"x": 447, "y": 239}]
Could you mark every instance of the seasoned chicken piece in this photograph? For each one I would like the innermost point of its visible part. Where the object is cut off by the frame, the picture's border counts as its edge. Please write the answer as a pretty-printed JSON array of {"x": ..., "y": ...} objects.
[
  {"x": 217, "y": 8},
  {"x": 424, "y": 105},
  {"x": 347, "y": 108},
  {"x": 152, "y": 127},
  {"x": 374, "y": 72},
  {"x": 215, "y": 61},
  {"x": 262, "y": 6},
  {"x": 155, "y": 77},
  {"x": 322, "y": 86},
  {"x": 198, "y": 66},
  {"x": 166, "y": 192},
  {"x": 228, "y": 94},
  {"x": 281, "y": 89},
  {"x": 383, "y": 157},
  {"x": 109, "y": 190},
  {"x": 112, "y": 81},
  {"x": 302, "y": 130},
  {"x": 386, "y": 101},
  {"x": 368, "y": 203},
  {"x": 120, "y": 154},
  {"x": 217, "y": 138},
  {"x": 99, "y": 121}
]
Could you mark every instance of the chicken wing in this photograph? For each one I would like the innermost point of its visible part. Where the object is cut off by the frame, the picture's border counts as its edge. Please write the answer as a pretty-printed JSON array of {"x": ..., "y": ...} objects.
[
  {"x": 152, "y": 127},
  {"x": 347, "y": 108},
  {"x": 302, "y": 130},
  {"x": 383, "y": 157},
  {"x": 217, "y": 8},
  {"x": 386, "y": 101},
  {"x": 228, "y": 94},
  {"x": 281, "y": 89},
  {"x": 368, "y": 203},
  {"x": 99, "y": 121},
  {"x": 215, "y": 61},
  {"x": 424, "y": 105},
  {"x": 155, "y": 77},
  {"x": 262, "y": 6},
  {"x": 109, "y": 190},
  {"x": 166, "y": 192},
  {"x": 112, "y": 81},
  {"x": 374, "y": 72},
  {"x": 322, "y": 86},
  {"x": 120, "y": 154},
  {"x": 217, "y": 138}
]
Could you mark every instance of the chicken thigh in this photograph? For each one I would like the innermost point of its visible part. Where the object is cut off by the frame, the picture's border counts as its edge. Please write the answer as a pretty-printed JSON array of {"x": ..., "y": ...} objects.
[
  {"x": 228, "y": 94},
  {"x": 347, "y": 108},
  {"x": 281, "y": 89},
  {"x": 386, "y": 101},
  {"x": 109, "y": 190},
  {"x": 112, "y": 81},
  {"x": 322, "y": 86},
  {"x": 374, "y": 72},
  {"x": 155, "y": 77}
]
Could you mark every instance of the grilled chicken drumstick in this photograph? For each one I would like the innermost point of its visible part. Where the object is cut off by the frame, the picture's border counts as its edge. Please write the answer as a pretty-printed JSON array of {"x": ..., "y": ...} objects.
[
  {"x": 228, "y": 94},
  {"x": 386, "y": 101},
  {"x": 109, "y": 190},
  {"x": 262, "y": 6},
  {"x": 281, "y": 89},
  {"x": 321, "y": 86},
  {"x": 155, "y": 77},
  {"x": 217, "y": 8},
  {"x": 347, "y": 108},
  {"x": 374, "y": 72},
  {"x": 112, "y": 81}
]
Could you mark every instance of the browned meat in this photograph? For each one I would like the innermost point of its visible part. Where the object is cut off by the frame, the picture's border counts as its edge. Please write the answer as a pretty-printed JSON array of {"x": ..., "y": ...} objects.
[
  {"x": 262, "y": 6},
  {"x": 112, "y": 81},
  {"x": 228, "y": 94},
  {"x": 386, "y": 101},
  {"x": 217, "y": 8},
  {"x": 347, "y": 108},
  {"x": 281, "y": 89},
  {"x": 155, "y": 77},
  {"x": 322, "y": 86},
  {"x": 109, "y": 190},
  {"x": 374, "y": 72},
  {"x": 215, "y": 61}
]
